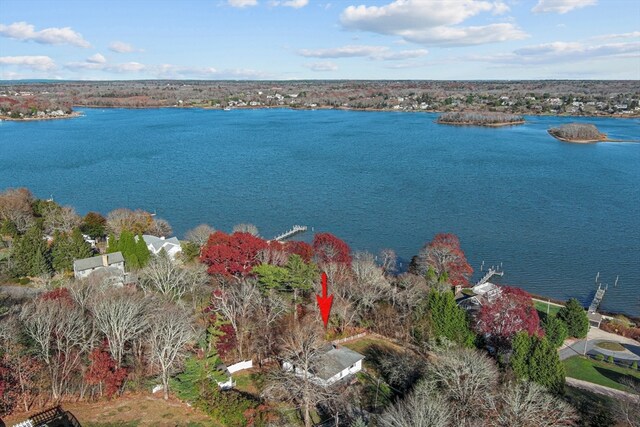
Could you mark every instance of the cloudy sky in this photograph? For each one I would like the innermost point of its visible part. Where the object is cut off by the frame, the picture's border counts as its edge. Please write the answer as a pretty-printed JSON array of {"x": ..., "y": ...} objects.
[{"x": 320, "y": 39}]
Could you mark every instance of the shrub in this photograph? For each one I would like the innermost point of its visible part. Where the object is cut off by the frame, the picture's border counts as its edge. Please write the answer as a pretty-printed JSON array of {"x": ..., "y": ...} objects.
[
  {"x": 599, "y": 357},
  {"x": 634, "y": 366},
  {"x": 610, "y": 359}
]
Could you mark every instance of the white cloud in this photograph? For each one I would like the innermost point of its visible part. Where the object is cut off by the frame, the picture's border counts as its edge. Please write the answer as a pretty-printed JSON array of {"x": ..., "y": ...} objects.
[
  {"x": 26, "y": 32},
  {"x": 559, "y": 52},
  {"x": 93, "y": 63},
  {"x": 631, "y": 35},
  {"x": 561, "y": 6},
  {"x": 40, "y": 63},
  {"x": 122, "y": 47},
  {"x": 97, "y": 59},
  {"x": 296, "y": 4},
  {"x": 170, "y": 71},
  {"x": 371, "y": 52},
  {"x": 242, "y": 3},
  {"x": 429, "y": 22},
  {"x": 321, "y": 66}
]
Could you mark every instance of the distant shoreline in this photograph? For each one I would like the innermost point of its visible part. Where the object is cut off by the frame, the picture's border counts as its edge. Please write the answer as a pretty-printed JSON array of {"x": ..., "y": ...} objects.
[
  {"x": 71, "y": 115},
  {"x": 489, "y": 125}
]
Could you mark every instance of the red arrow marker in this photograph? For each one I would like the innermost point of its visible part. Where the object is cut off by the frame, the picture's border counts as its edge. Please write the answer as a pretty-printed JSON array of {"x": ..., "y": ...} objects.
[{"x": 324, "y": 301}]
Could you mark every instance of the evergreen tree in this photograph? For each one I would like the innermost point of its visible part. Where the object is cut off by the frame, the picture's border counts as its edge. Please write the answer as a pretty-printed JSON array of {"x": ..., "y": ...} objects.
[
  {"x": 271, "y": 276},
  {"x": 113, "y": 244},
  {"x": 200, "y": 375},
  {"x": 555, "y": 331},
  {"x": 446, "y": 319},
  {"x": 519, "y": 361},
  {"x": 545, "y": 367},
  {"x": 575, "y": 317},
  {"x": 31, "y": 254},
  {"x": 67, "y": 249},
  {"x": 142, "y": 251}
]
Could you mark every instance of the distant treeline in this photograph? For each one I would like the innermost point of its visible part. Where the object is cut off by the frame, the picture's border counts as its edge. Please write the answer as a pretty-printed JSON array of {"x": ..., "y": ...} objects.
[{"x": 478, "y": 118}]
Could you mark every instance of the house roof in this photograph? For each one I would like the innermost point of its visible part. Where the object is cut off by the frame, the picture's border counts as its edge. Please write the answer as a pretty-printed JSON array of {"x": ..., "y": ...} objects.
[
  {"x": 158, "y": 242},
  {"x": 96, "y": 261},
  {"x": 334, "y": 360}
]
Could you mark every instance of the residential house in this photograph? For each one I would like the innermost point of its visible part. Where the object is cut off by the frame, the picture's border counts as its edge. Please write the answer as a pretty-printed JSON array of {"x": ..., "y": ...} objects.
[
  {"x": 334, "y": 363},
  {"x": 109, "y": 263},
  {"x": 155, "y": 244}
]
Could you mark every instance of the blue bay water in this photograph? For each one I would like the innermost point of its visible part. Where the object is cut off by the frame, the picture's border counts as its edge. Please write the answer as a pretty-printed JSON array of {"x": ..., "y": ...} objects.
[{"x": 553, "y": 213}]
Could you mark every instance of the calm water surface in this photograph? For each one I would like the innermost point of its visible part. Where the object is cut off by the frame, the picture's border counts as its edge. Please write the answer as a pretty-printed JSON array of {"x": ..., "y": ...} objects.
[{"x": 553, "y": 213}]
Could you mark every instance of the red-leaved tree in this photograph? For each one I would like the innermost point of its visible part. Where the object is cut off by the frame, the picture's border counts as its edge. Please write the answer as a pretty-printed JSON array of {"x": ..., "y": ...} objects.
[
  {"x": 330, "y": 249},
  {"x": 103, "y": 372},
  {"x": 232, "y": 254},
  {"x": 507, "y": 314},
  {"x": 304, "y": 250},
  {"x": 444, "y": 255}
]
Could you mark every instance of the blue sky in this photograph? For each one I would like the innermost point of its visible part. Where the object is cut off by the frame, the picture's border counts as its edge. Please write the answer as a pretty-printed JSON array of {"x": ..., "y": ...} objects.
[{"x": 320, "y": 39}]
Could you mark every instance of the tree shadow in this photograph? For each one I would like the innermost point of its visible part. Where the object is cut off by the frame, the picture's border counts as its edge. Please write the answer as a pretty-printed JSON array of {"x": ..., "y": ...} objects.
[
  {"x": 635, "y": 349},
  {"x": 617, "y": 377},
  {"x": 400, "y": 370}
]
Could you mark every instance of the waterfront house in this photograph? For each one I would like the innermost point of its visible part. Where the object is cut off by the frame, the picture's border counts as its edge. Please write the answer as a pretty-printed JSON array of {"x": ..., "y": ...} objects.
[
  {"x": 334, "y": 363},
  {"x": 155, "y": 244},
  {"x": 108, "y": 263}
]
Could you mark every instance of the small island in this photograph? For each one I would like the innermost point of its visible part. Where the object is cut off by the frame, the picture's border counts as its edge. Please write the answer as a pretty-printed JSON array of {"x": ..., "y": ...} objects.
[
  {"x": 581, "y": 133},
  {"x": 480, "y": 119}
]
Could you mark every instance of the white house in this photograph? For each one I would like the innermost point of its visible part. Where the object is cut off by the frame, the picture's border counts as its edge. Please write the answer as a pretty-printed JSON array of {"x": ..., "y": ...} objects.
[
  {"x": 113, "y": 263},
  {"x": 332, "y": 365},
  {"x": 155, "y": 244}
]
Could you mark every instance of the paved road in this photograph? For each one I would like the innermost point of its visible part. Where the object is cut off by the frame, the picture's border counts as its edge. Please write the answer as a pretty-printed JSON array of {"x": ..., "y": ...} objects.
[{"x": 577, "y": 348}]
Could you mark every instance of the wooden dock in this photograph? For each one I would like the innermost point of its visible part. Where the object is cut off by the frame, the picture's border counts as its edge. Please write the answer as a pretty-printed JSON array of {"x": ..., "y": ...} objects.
[
  {"x": 597, "y": 298},
  {"x": 294, "y": 230},
  {"x": 489, "y": 275}
]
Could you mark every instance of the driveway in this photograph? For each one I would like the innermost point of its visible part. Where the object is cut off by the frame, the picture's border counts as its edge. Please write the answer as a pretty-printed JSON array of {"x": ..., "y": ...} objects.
[{"x": 577, "y": 347}]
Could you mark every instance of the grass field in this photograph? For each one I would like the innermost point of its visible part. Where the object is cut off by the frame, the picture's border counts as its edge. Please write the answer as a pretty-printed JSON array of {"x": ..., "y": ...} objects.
[
  {"x": 542, "y": 308},
  {"x": 132, "y": 411},
  {"x": 602, "y": 373},
  {"x": 609, "y": 345}
]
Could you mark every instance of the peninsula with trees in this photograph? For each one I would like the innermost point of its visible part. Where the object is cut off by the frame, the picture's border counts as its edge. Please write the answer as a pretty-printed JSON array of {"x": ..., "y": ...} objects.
[{"x": 222, "y": 328}]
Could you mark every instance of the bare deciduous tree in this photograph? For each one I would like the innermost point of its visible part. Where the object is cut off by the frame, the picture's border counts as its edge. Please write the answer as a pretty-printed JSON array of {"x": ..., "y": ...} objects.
[
  {"x": 423, "y": 408},
  {"x": 246, "y": 228},
  {"x": 61, "y": 219},
  {"x": 628, "y": 410},
  {"x": 159, "y": 227},
  {"x": 300, "y": 351},
  {"x": 388, "y": 261},
  {"x": 122, "y": 315},
  {"x": 15, "y": 206},
  {"x": 62, "y": 335},
  {"x": 168, "y": 334},
  {"x": 528, "y": 404},
  {"x": 272, "y": 256},
  {"x": 200, "y": 234},
  {"x": 236, "y": 302},
  {"x": 162, "y": 275}
]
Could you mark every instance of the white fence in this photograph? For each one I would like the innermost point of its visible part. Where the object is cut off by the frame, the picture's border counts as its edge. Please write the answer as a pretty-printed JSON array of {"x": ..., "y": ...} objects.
[{"x": 245, "y": 364}]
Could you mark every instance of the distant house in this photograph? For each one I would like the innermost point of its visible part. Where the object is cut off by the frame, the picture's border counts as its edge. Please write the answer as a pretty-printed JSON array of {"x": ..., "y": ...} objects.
[
  {"x": 332, "y": 365},
  {"x": 155, "y": 244},
  {"x": 479, "y": 295},
  {"x": 108, "y": 263}
]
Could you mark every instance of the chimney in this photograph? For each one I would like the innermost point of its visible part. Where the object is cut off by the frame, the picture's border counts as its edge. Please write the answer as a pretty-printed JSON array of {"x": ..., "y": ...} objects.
[{"x": 105, "y": 260}]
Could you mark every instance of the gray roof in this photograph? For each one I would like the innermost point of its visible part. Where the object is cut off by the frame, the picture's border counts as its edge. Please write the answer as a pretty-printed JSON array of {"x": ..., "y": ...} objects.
[
  {"x": 334, "y": 360},
  {"x": 96, "y": 261},
  {"x": 158, "y": 242}
]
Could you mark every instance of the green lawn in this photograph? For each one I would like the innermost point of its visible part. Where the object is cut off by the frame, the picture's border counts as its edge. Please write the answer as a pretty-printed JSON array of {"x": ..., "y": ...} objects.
[
  {"x": 610, "y": 345},
  {"x": 602, "y": 373},
  {"x": 542, "y": 308},
  {"x": 363, "y": 344}
]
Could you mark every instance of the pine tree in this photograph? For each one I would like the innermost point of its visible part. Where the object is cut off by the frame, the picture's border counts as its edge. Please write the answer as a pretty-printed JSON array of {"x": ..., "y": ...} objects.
[
  {"x": 519, "y": 360},
  {"x": 142, "y": 251},
  {"x": 446, "y": 319},
  {"x": 555, "y": 330},
  {"x": 575, "y": 317},
  {"x": 545, "y": 367},
  {"x": 31, "y": 255},
  {"x": 113, "y": 245},
  {"x": 79, "y": 247}
]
